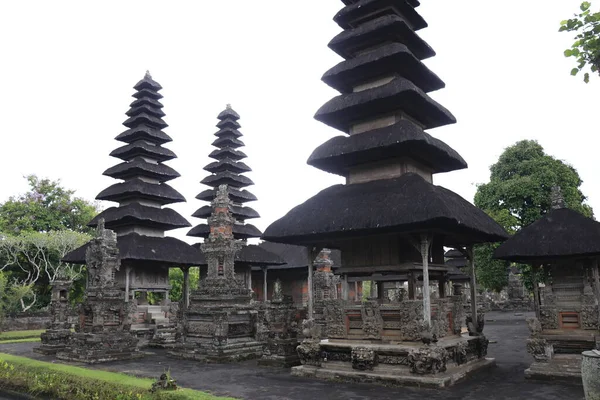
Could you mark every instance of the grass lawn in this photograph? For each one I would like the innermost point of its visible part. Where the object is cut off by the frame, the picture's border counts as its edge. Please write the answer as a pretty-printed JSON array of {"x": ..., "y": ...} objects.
[
  {"x": 17, "y": 335},
  {"x": 89, "y": 376},
  {"x": 30, "y": 340}
]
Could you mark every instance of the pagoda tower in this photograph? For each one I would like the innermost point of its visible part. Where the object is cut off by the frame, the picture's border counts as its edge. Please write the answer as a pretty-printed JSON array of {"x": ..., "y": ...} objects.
[
  {"x": 389, "y": 220},
  {"x": 229, "y": 169},
  {"x": 140, "y": 220}
]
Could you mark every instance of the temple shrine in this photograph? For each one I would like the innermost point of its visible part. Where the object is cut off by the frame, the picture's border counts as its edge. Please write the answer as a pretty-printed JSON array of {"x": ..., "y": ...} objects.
[
  {"x": 140, "y": 220},
  {"x": 390, "y": 222},
  {"x": 566, "y": 246}
]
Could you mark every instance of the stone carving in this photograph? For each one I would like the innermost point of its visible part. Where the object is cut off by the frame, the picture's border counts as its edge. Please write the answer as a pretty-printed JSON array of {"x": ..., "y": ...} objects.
[
  {"x": 363, "y": 358},
  {"x": 549, "y": 317},
  {"x": 535, "y": 327},
  {"x": 476, "y": 330},
  {"x": 280, "y": 333},
  {"x": 428, "y": 360},
  {"x": 58, "y": 330},
  {"x": 540, "y": 349},
  {"x": 309, "y": 352},
  {"x": 335, "y": 319},
  {"x": 277, "y": 291},
  {"x": 482, "y": 346},
  {"x": 371, "y": 320},
  {"x": 460, "y": 353}
]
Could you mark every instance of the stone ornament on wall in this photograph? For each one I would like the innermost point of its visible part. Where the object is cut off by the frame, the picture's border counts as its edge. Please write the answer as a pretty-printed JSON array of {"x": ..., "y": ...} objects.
[
  {"x": 363, "y": 358},
  {"x": 428, "y": 360}
]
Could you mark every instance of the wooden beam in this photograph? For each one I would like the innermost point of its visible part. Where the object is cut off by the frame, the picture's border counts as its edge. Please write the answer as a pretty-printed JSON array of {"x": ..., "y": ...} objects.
[{"x": 265, "y": 285}]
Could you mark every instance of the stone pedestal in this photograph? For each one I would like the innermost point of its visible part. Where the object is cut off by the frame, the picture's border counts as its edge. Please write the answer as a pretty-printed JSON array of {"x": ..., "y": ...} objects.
[
  {"x": 57, "y": 334},
  {"x": 54, "y": 340},
  {"x": 590, "y": 374}
]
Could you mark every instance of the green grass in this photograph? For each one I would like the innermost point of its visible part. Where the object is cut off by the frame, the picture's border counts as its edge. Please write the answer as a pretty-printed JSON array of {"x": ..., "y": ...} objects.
[
  {"x": 30, "y": 340},
  {"x": 15, "y": 335},
  {"x": 13, "y": 368}
]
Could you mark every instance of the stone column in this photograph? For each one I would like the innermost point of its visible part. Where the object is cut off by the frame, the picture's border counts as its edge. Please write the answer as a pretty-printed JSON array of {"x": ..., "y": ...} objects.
[
  {"x": 426, "y": 298},
  {"x": 590, "y": 370},
  {"x": 250, "y": 279},
  {"x": 310, "y": 282},
  {"x": 345, "y": 288},
  {"x": 186, "y": 287},
  {"x": 473, "y": 285},
  {"x": 265, "y": 285},
  {"x": 127, "y": 272},
  {"x": 536, "y": 290},
  {"x": 442, "y": 288},
  {"x": 356, "y": 298}
]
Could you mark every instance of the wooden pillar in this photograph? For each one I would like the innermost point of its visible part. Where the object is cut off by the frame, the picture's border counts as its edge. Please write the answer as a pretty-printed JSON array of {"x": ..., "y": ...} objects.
[
  {"x": 473, "y": 285},
  {"x": 127, "y": 272},
  {"x": 265, "y": 285},
  {"x": 373, "y": 290},
  {"x": 345, "y": 287},
  {"x": 442, "y": 288},
  {"x": 186, "y": 287},
  {"x": 536, "y": 289},
  {"x": 250, "y": 278},
  {"x": 356, "y": 298},
  {"x": 412, "y": 282},
  {"x": 426, "y": 298},
  {"x": 380, "y": 290},
  {"x": 310, "y": 259}
]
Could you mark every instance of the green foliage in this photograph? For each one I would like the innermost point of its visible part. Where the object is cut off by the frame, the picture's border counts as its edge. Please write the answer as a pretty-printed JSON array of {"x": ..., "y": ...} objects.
[
  {"x": 46, "y": 207},
  {"x": 518, "y": 194},
  {"x": 18, "y": 335},
  {"x": 366, "y": 292},
  {"x": 586, "y": 48},
  {"x": 176, "y": 281},
  {"x": 63, "y": 382}
]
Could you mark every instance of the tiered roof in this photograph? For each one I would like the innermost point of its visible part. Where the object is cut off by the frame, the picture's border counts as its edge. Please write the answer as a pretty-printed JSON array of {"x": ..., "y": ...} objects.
[
  {"x": 140, "y": 220},
  {"x": 228, "y": 169},
  {"x": 385, "y": 154}
]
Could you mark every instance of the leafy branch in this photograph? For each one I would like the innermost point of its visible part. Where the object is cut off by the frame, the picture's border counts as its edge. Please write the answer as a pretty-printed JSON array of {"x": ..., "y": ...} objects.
[{"x": 586, "y": 48}]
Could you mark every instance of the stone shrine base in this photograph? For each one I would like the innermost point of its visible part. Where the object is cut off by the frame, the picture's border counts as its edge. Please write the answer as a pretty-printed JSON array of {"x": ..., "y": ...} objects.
[
  {"x": 564, "y": 368},
  {"x": 439, "y": 365},
  {"x": 93, "y": 348},
  {"x": 280, "y": 353},
  {"x": 53, "y": 341},
  {"x": 208, "y": 352}
]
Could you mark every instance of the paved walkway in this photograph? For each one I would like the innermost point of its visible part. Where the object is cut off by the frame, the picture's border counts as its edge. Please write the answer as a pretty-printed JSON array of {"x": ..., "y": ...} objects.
[{"x": 506, "y": 331}]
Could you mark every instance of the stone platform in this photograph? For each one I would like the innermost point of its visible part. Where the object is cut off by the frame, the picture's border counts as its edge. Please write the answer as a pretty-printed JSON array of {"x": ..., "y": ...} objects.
[
  {"x": 564, "y": 368},
  {"x": 206, "y": 351},
  {"x": 442, "y": 364}
]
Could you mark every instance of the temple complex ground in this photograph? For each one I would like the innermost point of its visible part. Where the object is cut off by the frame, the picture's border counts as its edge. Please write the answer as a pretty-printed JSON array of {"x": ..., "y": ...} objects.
[{"x": 506, "y": 331}]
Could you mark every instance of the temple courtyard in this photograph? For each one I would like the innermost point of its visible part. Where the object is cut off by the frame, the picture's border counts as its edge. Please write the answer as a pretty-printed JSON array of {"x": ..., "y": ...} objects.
[{"x": 507, "y": 333}]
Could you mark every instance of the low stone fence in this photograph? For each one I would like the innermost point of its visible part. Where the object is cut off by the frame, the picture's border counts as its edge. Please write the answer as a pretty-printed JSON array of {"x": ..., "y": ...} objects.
[{"x": 30, "y": 321}]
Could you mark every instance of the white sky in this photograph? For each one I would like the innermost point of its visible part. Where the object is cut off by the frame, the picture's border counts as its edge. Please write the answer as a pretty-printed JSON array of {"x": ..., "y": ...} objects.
[{"x": 68, "y": 68}]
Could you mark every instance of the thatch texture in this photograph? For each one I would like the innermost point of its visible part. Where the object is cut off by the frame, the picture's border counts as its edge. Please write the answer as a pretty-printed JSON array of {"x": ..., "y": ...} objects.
[
  {"x": 239, "y": 196},
  {"x": 245, "y": 231},
  {"x": 140, "y": 215},
  {"x": 227, "y": 178},
  {"x": 145, "y": 119},
  {"x": 561, "y": 233},
  {"x": 144, "y": 132},
  {"x": 239, "y": 213},
  {"x": 403, "y": 139},
  {"x": 296, "y": 256},
  {"x": 140, "y": 167},
  {"x": 142, "y": 149},
  {"x": 227, "y": 152},
  {"x": 136, "y": 189},
  {"x": 407, "y": 204},
  {"x": 362, "y": 9}
]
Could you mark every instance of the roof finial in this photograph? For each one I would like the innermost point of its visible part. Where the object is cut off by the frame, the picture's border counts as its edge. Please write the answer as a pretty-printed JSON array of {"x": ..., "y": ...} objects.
[
  {"x": 229, "y": 106},
  {"x": 147, "y": 76},
  {"x": 557, "y": 199}
]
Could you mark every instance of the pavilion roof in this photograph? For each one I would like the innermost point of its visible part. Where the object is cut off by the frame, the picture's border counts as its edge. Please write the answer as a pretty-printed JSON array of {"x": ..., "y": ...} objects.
[
  {"x": 135, "y": 214},
  {"x": 240, "y": 231},
  {"x": 138, "y": 166},
  {"x": 135, "y": 189}
]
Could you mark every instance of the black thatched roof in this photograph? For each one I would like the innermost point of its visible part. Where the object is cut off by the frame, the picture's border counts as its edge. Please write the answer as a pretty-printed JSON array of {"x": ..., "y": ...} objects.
[
  {"x": 138, "y": 189},
  {"x": 140, "y": 167},
  {"x": 363, "y": 10},
  {"x": 403, "y": 139},
  {"x": 239, "y": 213},
  {"x": 145, "y": 108},
  {"x": 145, "y": 119},
  {"x": 148, "y": 83},
  {"x": 227, "y": 178},
  {"x": 408, "y": 204},
  {"x": 228, "y": 123},
  {"x": 142, "y": 149},
  {"x": 228, "y": 142},
  {"x": 134, "y": 247},
  {"x": 400, "y": 94},
  {"x": 245, "y": 231},
  {"x": 254, "y": 256},
  {"x": 296, "y": 256},
  {"x": 140, "y": 215},
  {"x": 239, "y": 196},
  {"x": 227, "y": 152},
  {"x": 386, "y": 29},
  {"x": 393, "y": 58},
  {"x": 454, "y": 253},
  {"x": 229, "y": 132},
  {"x": 456, "y": 275},
  {"x": 144, "y": 132},
  {"x": 227, "y": 164},
  {"x": 148, "y": 93},
  {"x": 228, "y": 113},
  {"x": 141, "y": 101},
  {"x": 561, "y": 233},
  {"x": 458, "y": 262}
]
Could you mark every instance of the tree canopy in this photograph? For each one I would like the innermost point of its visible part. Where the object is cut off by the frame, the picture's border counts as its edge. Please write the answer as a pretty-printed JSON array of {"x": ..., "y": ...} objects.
[
  {"x": 586, "y": 48},
  {"x": 518, "y": 194},
  {"x": 47, "y": 206}
]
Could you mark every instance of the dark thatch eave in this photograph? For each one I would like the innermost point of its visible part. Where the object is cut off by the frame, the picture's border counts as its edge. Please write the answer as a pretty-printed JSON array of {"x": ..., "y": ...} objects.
[
  {"x": 145, "y": 119},
  {"x": 230, "y": 142},
  {"x": 145, "y": 109},
  {"x": 240, "y": 231},
  {"x": 454, "y": 253},
  {"x": 394, "y": 58},
  {"x": 147, "y": 93},
  {"x": 229, "y": 132},
  {"x": 363, "y": 10},
  {"x": 227, "y": 164},
  {"x": 140, "y": 167},
  {"x": 144, "y": 132},
  {"x": 296, "y": 256},
  {"x": 457, "y": 262},
  {"x": 405, "y": 205},
  {"x": 456, "y": 275},
  {"x": 561, "y": 233},
  {"x": 228, "y": 113},
  {"x": 398, "y": 95},
  {"x": 140, "y": 215},
  {"x": 403, "y": 139},
  {"x": 135, "y": 248},
  {"x": 229, "y": 123},
  {"x": 227, "y": 152},
  {"x": 148, "y": 83},
  {"x": 138, "y": 189},
  {"x": 141, "y": 148},
  {"x": 414, "y": 3},
  {"x": 253, "y": 255},
  {"x": 239, "y": 213},
  {"x": 227, "y": 178},
  {"x": 389, "y": 28},
  {"x": 146, "y": 101},
  {"x": 239, "y": 196}
]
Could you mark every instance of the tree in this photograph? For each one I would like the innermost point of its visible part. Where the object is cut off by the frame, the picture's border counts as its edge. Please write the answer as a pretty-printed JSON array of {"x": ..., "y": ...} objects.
[
  {"x": 586, "y": 48},
  {"x": 46, "y": 207},
  {"x": 176, "y": 281},
  {"x": 518, "y": 194}
]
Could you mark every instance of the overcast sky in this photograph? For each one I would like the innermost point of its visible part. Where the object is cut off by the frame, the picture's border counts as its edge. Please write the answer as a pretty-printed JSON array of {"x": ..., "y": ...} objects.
[{"x": 68, "y": 68}]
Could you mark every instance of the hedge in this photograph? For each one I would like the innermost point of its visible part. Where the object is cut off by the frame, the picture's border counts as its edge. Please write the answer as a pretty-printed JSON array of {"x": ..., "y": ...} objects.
[{"x": 65, "y": 382}]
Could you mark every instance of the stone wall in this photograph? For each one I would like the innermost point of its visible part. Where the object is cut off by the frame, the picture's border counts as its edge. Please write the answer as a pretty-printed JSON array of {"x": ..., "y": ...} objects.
[{"x": 31, "y": 321}]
